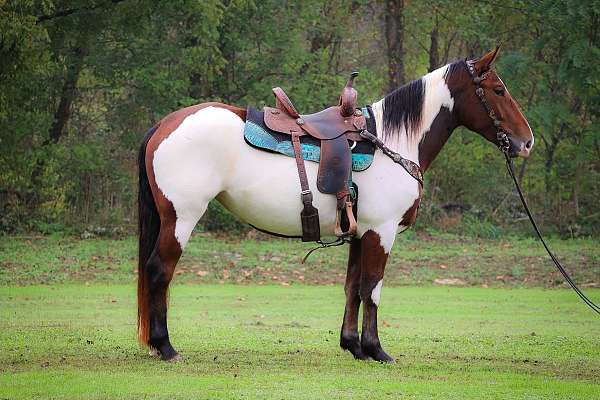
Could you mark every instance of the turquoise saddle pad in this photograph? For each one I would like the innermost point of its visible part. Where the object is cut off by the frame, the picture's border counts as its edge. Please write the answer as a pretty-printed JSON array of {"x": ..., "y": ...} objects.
[{"x": 259, "y": 136}]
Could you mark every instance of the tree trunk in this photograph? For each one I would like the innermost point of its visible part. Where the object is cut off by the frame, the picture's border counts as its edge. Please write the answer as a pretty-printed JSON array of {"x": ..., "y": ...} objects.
[
  {"x": 63, "y": 112},
  {"x": 394, "y": 37},
  {"x": 577, "y": 188},
  {"x": 434, "y": 57}
]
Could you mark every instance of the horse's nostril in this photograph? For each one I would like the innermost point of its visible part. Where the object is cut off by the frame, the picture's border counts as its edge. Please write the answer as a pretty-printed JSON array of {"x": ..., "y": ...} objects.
[{"x": 528, "y": 144}]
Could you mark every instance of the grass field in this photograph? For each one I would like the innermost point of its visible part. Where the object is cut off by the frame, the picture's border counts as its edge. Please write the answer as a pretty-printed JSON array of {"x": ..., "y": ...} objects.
[
  {"x": 78, "y": 341},
  {"x": 415, "y": 260},
  {"x": 276, "y": 334}
]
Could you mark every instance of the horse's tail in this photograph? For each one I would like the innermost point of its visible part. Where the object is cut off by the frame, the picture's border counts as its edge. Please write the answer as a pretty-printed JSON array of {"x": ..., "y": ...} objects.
[{"x": 149, "y": 227}]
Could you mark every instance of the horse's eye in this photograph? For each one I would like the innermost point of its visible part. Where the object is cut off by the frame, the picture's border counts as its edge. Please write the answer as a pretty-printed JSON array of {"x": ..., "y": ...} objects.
[{"x": 499, "y": 91}]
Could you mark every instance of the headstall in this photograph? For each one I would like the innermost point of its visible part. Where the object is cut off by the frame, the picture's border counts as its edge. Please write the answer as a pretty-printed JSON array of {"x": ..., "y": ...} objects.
[{"x": 501, "y": 134}]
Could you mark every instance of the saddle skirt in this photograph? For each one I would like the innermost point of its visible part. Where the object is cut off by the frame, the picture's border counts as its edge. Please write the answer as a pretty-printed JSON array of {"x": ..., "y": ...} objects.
[{"x": 259, "y": 136}]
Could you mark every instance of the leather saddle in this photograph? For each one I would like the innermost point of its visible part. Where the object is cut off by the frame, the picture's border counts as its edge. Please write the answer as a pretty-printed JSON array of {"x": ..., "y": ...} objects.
[{"x": 334, "y": 127}]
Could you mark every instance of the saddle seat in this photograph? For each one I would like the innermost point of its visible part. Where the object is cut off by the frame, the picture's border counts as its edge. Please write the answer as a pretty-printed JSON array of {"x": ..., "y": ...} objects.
[{"x": 334, "y": 127}]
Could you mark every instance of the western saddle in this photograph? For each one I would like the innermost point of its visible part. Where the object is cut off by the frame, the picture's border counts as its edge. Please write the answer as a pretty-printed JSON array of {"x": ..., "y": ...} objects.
[{"x": 334, "y": 127}]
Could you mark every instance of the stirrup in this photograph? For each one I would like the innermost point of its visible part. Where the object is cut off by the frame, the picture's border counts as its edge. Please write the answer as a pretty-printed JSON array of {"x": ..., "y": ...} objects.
[{"x": 351, "y": 222}]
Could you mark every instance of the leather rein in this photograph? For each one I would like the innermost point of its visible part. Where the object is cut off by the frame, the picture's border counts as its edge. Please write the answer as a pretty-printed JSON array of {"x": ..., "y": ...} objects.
[{"x": 504, "y": 146}]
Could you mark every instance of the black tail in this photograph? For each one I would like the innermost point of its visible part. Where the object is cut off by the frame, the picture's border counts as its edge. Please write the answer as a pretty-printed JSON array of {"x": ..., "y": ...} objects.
[{"x": 149, "y": 227}]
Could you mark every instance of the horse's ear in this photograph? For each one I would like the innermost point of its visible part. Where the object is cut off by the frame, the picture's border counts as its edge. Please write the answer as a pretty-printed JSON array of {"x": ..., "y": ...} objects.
[{"x": 485, "y": 63}]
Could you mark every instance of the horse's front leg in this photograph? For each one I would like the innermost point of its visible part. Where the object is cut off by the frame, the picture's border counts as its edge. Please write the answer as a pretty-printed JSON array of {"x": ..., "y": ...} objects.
[
  {"x": 373, "y": 259},
  {"x": 349, "y": 339}
]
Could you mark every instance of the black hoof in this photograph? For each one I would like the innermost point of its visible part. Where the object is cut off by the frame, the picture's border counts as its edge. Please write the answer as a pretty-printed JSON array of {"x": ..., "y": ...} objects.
[
  {"x": 169, "y": 354},
  {"x": 375, "y": 352},
  {"x": 352, "y": 344}
]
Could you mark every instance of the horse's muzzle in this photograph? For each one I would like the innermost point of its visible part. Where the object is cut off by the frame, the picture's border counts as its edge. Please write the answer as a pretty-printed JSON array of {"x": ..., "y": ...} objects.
[{"x": 519, "y": 148}]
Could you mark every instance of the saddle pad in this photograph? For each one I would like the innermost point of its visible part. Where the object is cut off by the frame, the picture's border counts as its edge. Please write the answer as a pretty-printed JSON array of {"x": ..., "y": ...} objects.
[{"x": 257, "y": 135}]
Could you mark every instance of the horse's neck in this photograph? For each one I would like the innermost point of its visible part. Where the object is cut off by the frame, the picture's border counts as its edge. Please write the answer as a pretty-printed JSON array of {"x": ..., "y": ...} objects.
[
  {"x": 442, "y": 127},
  {"x": 437, "y": 123}
]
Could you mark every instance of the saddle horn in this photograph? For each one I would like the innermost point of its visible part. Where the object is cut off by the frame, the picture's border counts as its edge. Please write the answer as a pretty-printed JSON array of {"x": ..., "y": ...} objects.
[{"x": 348, "y": 97}]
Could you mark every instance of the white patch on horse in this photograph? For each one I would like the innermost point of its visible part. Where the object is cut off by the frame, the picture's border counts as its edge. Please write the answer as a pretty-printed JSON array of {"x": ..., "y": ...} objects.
[
  {"x": 437, "y": 95},
  {"x": 376, "y": 293},
  {"x": 387, "y": 235},
  {"x": 187, "y": 162}
]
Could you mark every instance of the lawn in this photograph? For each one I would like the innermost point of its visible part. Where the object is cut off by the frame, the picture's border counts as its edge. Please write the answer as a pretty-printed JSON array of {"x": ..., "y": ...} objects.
[
  {"x": 76, "y": 341},
  {"x": 252, "y": 322},
  {"x": 416, "y": 259}
]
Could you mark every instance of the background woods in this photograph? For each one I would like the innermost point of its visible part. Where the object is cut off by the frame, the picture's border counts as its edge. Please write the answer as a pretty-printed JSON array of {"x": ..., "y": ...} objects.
[{"x": 81, "y": 81}]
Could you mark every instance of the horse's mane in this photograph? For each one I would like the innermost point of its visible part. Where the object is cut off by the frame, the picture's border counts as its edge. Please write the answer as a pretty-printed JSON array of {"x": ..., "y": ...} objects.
[{"x": 404, "y": 106}]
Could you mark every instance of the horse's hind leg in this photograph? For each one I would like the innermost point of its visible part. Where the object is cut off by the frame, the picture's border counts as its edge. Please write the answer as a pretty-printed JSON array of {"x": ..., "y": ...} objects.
[
  {"x": 349, "y": 339},
  {"x": 159, "y": 270}
]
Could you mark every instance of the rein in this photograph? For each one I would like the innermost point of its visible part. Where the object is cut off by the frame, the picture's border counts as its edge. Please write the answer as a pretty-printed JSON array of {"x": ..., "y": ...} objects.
[{"x": 504, "y": 145}]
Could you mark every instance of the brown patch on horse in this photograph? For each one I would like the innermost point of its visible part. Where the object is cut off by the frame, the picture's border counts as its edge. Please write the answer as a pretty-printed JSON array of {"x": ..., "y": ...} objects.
[
  {"x": 441, "y": 128},
  {"x": 410, "y": 216}
]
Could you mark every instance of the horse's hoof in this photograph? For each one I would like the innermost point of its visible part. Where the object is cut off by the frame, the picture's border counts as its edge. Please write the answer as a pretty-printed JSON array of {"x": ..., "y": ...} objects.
[
  {"x": 352, "y": 345},
  {"x": 383, "y": 357},
  {"x": 377, "y": 354}
]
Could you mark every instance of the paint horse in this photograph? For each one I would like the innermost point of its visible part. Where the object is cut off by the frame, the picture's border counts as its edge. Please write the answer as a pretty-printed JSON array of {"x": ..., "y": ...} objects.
[{"x": 199, "y": 153}]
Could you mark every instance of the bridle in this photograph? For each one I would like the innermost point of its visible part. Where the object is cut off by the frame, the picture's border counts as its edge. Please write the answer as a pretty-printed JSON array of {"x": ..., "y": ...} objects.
[
  {"x": 504, "y": 146},
  {"x": 501, "y": 134}
]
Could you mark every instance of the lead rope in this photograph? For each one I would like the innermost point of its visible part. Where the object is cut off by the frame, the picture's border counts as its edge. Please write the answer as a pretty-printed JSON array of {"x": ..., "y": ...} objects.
[{"x": 565, "y": 274}]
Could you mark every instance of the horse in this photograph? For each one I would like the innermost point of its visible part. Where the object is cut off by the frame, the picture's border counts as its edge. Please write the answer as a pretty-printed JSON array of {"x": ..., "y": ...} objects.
[{"x": 198, "y": 153}]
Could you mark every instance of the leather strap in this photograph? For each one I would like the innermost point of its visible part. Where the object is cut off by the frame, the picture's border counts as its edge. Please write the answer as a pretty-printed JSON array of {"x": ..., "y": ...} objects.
[
  {"x": 411, "y": 167},
  {"x": 309, "y": 216},
  {"x": 306, "y": 193},
  {"x": 283, "y": 102}
]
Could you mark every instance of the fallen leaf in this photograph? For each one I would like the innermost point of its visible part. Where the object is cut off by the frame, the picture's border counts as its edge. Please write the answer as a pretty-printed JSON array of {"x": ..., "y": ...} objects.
[{"x": 449, "y": 282}]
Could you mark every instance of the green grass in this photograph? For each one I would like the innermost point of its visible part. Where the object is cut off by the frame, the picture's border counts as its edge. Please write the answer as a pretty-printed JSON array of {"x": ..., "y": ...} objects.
[
  {"x": 76, "y": 341},
  {"x": 275, "y": 333},
  {"x": 415, "y": 260}
]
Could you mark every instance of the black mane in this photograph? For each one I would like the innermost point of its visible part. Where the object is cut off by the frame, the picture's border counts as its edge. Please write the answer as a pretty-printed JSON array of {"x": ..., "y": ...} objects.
[{"x": 403, "y": 107}]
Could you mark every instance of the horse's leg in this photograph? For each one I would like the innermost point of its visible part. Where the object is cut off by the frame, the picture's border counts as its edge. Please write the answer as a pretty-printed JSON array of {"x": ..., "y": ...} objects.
[
  {"x": 373, "y": 260},
  {"x": 159, "y": 269},
  {"x": 349, "y": 339}
]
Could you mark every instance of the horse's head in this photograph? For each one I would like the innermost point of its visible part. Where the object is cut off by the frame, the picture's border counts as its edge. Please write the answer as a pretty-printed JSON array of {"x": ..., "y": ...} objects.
[{"x": 485, "y": 106}]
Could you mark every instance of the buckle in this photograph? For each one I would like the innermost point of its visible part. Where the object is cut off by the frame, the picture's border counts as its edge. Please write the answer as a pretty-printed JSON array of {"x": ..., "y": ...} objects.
[{"x": 306, "y": 196}]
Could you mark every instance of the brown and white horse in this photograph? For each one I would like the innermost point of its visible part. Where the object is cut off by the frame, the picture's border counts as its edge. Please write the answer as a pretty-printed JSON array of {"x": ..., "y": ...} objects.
[{"x": 198, "y": 154}]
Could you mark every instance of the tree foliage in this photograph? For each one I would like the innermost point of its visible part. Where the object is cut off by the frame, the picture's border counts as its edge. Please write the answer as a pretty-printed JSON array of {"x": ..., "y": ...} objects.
[{"x": 82, "y": 80}]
